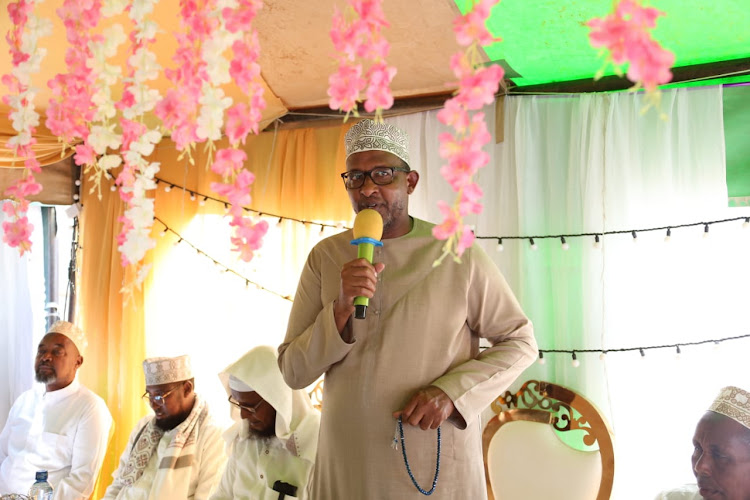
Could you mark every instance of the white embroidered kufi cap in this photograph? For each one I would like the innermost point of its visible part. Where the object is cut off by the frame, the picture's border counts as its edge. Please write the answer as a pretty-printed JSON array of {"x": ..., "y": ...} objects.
[
  {"x": 71, "y": 331},
  {"x": 734, "y": 403},
  {"x": 160, "y": 371},
  {"x": 370, "y": 136}
]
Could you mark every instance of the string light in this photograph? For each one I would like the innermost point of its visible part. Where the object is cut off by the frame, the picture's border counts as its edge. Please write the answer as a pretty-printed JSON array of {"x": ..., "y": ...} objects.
[
  {"x": 677, "y": 352},
  {"x": 322, "y": 231},
  {"x": 705, "y": 231},
  {"x": 219, "y": 266},
  {"x": 500, "y": 247},
  {"x": 643, "y": 353},
  {"x": 564, "y": 243},
  {"x": 192, "y": 196},
  {"x": 575, "y": 361},
  {"x": 603, "y": 356},
  {"x": 77, "y": 182},
  {"x": 633, "y": 232},
  {"x": 113, "y": 188},
  {"x": 203, "y": 201},
  {"x": 668, "y": 237},
  {"x": 533, "y": 245},
  {"x": 163, "y": 233},
  {"x": 281, "y": 220},
  {"x": 541, "y": 358},
  {"x": 167, "y": 188}
]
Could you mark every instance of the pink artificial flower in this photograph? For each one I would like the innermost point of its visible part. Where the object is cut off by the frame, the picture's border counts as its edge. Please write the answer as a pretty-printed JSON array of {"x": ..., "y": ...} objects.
[
  {"x": 450, "y": 223},
  {"x": 17, "y": 233},
  {"x": 228, "y": 161},
  {"x": 379, "y": 96},
  {"x": 244, "y": 69},
  {"x": 344, "y": 87},
  {"x": 470, "y": 28},
  {"x": 465, "y": 240},
  {"x": 238, "y": 125},
  {"x": 454, "y": 115},
  {"x": 85, "y": 155},
  {"x": 468, "y": 201},
  {"x": 478, "y": 89}
]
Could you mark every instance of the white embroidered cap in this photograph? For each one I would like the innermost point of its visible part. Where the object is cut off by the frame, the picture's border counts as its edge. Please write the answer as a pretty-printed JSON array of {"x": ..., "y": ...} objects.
[
  {"x": 734, "y": 403},
  {"x": 71, "y": 331},
  {"x": 370, "y": 136},
  {"x": 163, "y": 370}
]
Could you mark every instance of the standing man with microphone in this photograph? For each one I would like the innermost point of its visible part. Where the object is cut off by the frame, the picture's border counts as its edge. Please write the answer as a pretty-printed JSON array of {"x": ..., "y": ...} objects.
[{"x": 415, "y": 358}]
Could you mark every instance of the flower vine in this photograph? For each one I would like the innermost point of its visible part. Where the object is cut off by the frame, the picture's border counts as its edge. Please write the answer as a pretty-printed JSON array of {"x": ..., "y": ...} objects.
[
  {"x": 626, "y": 35},
  {"x": 361, "y": 38},
  {"x": 462, "y": 148},
  {"x": 26, "y": 58}
]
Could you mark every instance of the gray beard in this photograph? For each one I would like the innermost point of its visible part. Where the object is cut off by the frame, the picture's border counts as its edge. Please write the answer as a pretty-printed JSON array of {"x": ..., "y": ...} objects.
[{"x": 46, "y": 378}]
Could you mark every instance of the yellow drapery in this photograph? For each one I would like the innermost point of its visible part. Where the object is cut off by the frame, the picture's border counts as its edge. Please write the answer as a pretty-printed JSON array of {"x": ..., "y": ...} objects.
[{"x": 296, "y": 176}]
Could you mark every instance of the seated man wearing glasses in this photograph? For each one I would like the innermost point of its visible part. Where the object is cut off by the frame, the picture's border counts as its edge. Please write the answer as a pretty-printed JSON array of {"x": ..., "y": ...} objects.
[
  {"x": 272, "y": 447},
  {"x": 177, "y": 452}
]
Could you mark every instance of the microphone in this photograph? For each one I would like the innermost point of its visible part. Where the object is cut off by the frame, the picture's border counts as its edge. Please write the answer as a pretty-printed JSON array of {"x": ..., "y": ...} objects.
[
  {"x": 368, "y": 229},
  {"x": 284, "y": 489}
]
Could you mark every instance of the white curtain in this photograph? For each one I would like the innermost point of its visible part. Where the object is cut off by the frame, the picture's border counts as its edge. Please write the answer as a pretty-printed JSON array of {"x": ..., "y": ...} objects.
[
  {"x": 597, "y": 163},
  {"x": 21, "y": 313}
]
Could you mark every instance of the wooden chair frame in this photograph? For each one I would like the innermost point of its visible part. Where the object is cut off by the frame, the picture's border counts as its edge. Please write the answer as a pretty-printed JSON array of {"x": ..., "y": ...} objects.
[{"x": 551, "y": 404}]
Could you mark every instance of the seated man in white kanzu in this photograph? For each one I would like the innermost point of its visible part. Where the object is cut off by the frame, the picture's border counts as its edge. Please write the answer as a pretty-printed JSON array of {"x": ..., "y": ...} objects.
[
  {"x": 176, "y": 453},
  {"x": 721, "y": 455},
  {"x": 272, "y": 448},
  {"x": 61, "y": 427}
]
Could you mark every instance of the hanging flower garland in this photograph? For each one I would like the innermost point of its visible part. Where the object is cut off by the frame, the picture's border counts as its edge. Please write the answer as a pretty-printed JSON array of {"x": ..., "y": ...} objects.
[
  {"x": 71, "y": 107},
  {"x": 137, "y": 142},
  {"x": 361, "y": 39},
  {"x": 26, "y": 58},
  {"x": 103, "y": 135},
  {"x": 242, "y": 119},
  {"x": 626, "y": 35},
  {"x": 462, "y": 148}
]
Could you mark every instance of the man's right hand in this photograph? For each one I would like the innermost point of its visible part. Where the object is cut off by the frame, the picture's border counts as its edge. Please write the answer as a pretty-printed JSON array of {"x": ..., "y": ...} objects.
[{"x": 359, "y": 278}]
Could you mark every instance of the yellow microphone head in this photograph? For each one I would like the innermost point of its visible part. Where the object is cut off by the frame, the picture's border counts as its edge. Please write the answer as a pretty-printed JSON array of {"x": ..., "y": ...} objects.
[{"x": 368, "y": 224}]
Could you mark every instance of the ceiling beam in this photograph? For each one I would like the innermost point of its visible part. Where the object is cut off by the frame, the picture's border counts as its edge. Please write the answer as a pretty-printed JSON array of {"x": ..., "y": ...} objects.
[{"x": 716, "y": 69}]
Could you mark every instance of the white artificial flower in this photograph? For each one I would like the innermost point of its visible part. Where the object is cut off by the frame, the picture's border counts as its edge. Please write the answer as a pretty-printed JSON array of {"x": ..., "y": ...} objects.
[
  {"x": 145, "y": 65},
  {"x": 24, "y": 118},
  {"x": 108, "y": 162},
  {"x": 114, "y": 36},
  {"x": 21, "y": 139},
  {"x": 139, "y": 9},
  {"x": 101, "y": 138},
  {"x": 147, "y": 31},
  {"x": 111, "y": 8},
  {"x": 136, "y": 244},
  {"x": 150, "y": 170}
]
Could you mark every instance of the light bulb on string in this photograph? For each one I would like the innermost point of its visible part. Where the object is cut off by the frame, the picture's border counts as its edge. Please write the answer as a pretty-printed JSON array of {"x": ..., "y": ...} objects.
[
  {"x": 280, "y": 221},
  {"x": 668, "y": 237},
  {"x": 77, "y": 182},
  {"x": 541, "y": 358},
  {"x": 705, "y": 231},
  {"x": 177, "y": 243},
  {"x": 575, "y": 361},
  {"x": 678, "y": 352},
  {"x": 76, "y": 197},
  {"x": 564, "y": 243},
  {"x": 603, "y": 356},
  {"x": 203, "y": 201},
  {"x": 643, "y": 353},
  {"x": 746, "y": 224},
  {"x": 164, "y": 233},
  {"x": 167, "y": 188},
  {"x": 322, "y": 230},
  {"x": 499, "y": 247},
  {"x": 192, "y": 196},
  {"x": 717, "y": 345},
  {"x": 635, "y": 236},
  {"x": 597, "y": 242},
  {"x": 533, "y": 245},
  {"x": 339, "y": 225},
  {"x": 226, "y": 207},
  {"x": 113, "y": 188}
]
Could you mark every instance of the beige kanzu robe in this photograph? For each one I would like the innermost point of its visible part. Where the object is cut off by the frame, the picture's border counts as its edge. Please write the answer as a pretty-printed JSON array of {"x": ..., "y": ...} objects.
[{"x": 422, "y": 328}]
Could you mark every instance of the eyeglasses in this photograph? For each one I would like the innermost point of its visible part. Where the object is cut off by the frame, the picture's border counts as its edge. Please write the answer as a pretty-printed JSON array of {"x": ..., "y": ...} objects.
[
  {"x": 382, "y": 176},
  {"x": 251, "y": 409},
  {"x": 159, "y": 398}
]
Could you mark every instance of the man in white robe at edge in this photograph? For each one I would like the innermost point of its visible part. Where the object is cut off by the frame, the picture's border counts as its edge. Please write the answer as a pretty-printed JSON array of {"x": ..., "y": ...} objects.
[
  {"x": 177, "y": 452},
  {"x": 272, "y": 448},
  {"x": 416, "y": 354},
  {"x": 721, "y": 451},
  {"x": 60, "y": 426}
]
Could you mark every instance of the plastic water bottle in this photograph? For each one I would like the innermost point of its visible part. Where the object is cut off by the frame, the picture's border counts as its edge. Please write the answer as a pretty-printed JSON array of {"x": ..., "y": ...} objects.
[{"x": 41, "y": 489}]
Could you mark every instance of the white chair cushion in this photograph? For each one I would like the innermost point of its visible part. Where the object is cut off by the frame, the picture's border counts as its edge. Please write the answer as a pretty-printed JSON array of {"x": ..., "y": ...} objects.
[{"x": 527, "y": 461}]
